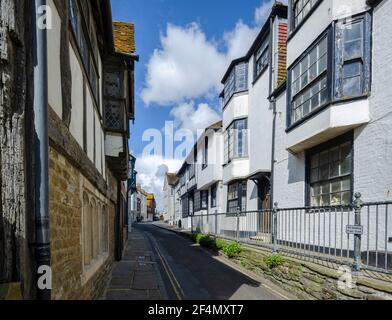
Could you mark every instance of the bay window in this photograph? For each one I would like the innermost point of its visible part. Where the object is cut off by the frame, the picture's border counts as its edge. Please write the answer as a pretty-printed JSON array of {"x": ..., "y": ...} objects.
[
  {"x": 237, "y": 81},
  {"x": 236, "y": 140},
  {"x": 309, "y": 88},
  {"x": 335, "y": 68}
]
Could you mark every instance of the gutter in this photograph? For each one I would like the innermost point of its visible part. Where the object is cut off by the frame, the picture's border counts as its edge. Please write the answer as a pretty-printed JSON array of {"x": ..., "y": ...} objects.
[{"x": 41, "y": 146}]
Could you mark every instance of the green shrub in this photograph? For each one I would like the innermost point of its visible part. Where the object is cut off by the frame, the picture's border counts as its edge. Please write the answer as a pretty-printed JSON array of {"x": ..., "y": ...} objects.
[
  {"x": 232, "y": 250},
  {"x": 207, "y": 241},
  {"x": 195, "y": 237},
  {"x": 274, "y": 261},
  {"x": 220, "y": 244}
]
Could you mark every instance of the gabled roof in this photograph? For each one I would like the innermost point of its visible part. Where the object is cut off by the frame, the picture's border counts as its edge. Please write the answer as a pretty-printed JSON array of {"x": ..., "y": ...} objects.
[{"x": 124, "y": 37}]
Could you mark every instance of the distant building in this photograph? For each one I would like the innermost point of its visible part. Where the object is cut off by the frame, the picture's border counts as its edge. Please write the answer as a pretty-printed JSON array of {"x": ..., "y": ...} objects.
[
  {"x": 170, "y": 182},
  {"x": 151, "y": 206}
]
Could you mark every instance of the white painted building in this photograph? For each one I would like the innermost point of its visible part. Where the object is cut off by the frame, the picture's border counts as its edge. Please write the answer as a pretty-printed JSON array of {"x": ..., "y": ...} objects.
[
  {"x": 199, "y": 188},
  {"x": 248, "y": 117},
  {"x": 170, "y": 182}
]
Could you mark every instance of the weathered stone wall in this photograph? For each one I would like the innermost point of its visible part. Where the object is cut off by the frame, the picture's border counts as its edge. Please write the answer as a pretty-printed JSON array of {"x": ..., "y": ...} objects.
[
  {"x": 312, "y": 281},
  {"x": 66, "y": 196}
]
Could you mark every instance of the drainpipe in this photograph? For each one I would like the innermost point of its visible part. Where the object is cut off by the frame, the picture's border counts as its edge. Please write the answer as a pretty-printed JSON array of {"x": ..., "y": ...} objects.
[
  {"x": 273, "y": 104},
  {"x": 40, "y": 139}
]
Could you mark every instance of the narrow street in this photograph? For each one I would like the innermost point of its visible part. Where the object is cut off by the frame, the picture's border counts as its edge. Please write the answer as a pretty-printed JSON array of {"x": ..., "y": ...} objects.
[{"x": 186, "y": 271}]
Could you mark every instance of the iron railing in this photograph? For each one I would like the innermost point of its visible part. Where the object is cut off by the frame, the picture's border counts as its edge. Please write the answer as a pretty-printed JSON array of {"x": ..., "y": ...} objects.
[{"x": 359, "y": 235}]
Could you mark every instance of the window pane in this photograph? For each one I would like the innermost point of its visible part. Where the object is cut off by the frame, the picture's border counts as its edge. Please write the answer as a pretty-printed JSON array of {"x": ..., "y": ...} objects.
[
  {"x": 336, "y": 186},
  {"x": 351, "y": 70},
  {"x": 353, "y": 31},
  {"x": 316, "y": 190},
  {"x": 346, "y": 198},
  {"x": 322, "y": 64},
  {"x": 353, "y": 49},
  {"x": 335, "y": 199},
  {"x": 352, "y": 86},
  {"x": 315, "y": 161},
  {"x": 314, "y": 175}
]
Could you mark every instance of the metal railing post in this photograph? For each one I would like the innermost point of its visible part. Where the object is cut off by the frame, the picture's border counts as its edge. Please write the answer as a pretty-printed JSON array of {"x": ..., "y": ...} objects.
[
  {"x": 216, "y": 222},
  {"x": 275, "y": 227},
  {"x": 238, "y": 223},
  {"x": 358, "y": 236}
]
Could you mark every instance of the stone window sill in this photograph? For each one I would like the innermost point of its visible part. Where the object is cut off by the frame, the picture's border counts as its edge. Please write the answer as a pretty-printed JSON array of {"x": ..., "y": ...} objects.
[{"x": 90, "y": 270}]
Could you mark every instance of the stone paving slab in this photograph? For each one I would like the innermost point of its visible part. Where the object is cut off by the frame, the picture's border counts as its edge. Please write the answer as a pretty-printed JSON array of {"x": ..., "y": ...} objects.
[{"x": 136, "y": 277}]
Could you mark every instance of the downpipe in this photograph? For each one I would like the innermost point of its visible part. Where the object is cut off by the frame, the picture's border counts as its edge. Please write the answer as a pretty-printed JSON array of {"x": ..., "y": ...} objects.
[{"x": 41, "y": 146}]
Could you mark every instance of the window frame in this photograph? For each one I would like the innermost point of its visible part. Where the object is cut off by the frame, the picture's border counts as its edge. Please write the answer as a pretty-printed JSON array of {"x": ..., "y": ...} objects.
[
  {"x": 266, "y": 50},
  {"x": 294, "y": 28},
  {"x": 232, "y": 81},
  {"x": 205, "y": 153},
  {"x": 213, "y": 197},
  {"x": 85, "y": 28},
  {"x": 338, "y": 141},
  {"x": 332, "y": 66},
  {"x": 328, "y": 73},
  {"x": 240, "y": 195},
  {"x": 227, "y": 141}
]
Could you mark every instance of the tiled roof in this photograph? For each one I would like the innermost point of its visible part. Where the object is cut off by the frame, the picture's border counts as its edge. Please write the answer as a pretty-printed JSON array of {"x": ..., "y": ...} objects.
[{"x": 124, "y": 37}]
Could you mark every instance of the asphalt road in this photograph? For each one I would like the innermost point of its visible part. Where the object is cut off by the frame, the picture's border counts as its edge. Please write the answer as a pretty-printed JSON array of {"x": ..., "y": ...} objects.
[{"x": 191, "y": 273}]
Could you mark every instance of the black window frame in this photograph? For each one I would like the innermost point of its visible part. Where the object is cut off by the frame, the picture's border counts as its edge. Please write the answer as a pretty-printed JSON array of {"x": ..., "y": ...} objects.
[
  {"x": 84, "y": 30},
  {"x": 234, "y": 126},
  {"x": 333, "y": 69},
  {"x": 327, "y": 73},
  {"x": 242, "y": 191},
  {"x": 233, "y": 80},
  {"x": 266, "y": 51},
  {"x": 293, "y": 27},
  {"x": 338, "y": 141},
  {"x": 204, "y": 193},
  {"x": 205, "y": 153},
  {"x": 214, "y": 192}
]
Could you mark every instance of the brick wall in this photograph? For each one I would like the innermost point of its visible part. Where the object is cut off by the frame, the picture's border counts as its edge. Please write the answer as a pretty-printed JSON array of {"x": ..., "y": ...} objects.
[{"x": 65, "y": 205}]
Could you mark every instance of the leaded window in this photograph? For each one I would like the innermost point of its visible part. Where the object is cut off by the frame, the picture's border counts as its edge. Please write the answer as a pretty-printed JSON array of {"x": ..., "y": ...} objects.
[
  {"x": 197, "y": 199},
  {"x": 330, "y": 175},
  {"x": 236, "y": 140},
  {"x": 261, "y": 58},
  {"x": 309, "y": 88},
  {"x": 237, "y": 197},
  {"x": 114, "y": 116},
  {"x": 237, "y": 81},
  {"x": 301, "y": 10},
  {"x": 352, "y": 61}
]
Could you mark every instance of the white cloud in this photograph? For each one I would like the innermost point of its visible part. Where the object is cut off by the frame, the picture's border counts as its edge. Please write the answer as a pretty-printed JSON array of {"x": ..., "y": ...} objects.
[
  {"x": 238, "y": 41},
  {"x": 187, "y": 66},
  {"x": 151, "y": 174},
  {"x": 194, "y": 118}
]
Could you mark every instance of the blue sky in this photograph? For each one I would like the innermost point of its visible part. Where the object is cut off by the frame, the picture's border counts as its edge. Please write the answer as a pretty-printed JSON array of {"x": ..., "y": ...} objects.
[{"x": 185, "y": 47}]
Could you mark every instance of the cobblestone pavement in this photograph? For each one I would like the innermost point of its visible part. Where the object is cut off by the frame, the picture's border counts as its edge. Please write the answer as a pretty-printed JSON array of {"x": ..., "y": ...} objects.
[{"x": 136, "y": 277}]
